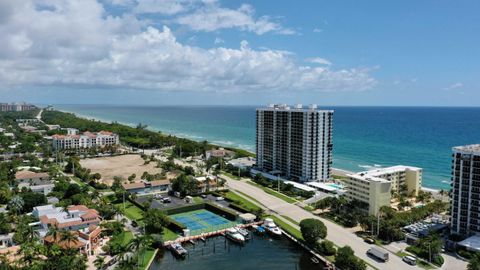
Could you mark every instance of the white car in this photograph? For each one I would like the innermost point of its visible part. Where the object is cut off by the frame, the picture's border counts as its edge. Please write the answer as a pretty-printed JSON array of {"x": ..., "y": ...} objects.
[{"x": 219, "y": 198}]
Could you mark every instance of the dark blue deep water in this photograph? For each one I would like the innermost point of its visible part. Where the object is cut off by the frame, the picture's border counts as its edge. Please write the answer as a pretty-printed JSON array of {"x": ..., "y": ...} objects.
[
  {"x": 364, "y": 137},
  {"x": 262, "y": 253}
]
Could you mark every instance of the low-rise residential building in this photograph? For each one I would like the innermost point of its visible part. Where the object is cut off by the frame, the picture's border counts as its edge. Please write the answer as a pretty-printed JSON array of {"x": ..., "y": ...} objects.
[
  {"x": 85, "y": 140},
  {"x": 372, "y": 192},
  {"x": 408, "y": 176},
  {"x": 219, "y": 153},
  {"x": 88, "y": 239},
  {"x": 243, "y": 163},
  {"x": 144, "y": 187},
  {"x": 206, "y": 183},
  {"x": 29, "y": 176},
  {"x": 6, "y": 240},
  {"x": 76, "y": 217}
]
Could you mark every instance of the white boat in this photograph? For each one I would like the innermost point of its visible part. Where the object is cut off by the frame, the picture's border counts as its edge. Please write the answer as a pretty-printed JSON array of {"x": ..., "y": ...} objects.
[
  {"x": 235, "y": 236},
  {"x": 178, "y": 250},
  {"x": 244, "y": 232},
  {"x": 271, "y": 227}
]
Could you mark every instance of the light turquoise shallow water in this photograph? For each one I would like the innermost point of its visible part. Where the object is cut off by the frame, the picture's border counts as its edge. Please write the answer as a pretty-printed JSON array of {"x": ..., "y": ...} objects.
[{"x": 364, "y": 137}]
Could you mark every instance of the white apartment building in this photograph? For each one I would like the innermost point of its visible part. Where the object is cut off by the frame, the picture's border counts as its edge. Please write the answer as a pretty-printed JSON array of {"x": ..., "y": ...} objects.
[
  {"x": 399, "y": 175},
  {"x": 294, "y": 143},
  {"x": 465, "y": 196},
  {"x": 84, "y": 140},
  {"x": 373, "y": 192}
]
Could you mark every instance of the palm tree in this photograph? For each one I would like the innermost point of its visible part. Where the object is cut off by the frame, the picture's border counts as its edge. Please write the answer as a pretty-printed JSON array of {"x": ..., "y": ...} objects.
[
  {"x": 31, "y": 234},
  {"x": 16, "y": 204},
  {"x": 54, "y": 232},
  {"x": 99, "y": 262},
  {"x": 68, "y": 237}
]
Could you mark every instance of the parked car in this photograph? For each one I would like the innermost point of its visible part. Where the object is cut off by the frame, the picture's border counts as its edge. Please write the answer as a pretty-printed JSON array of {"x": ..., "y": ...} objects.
[
  {"x": 410, "y": 260},
  {"x": 204, "y": 196},
  {"x": 369, "y": 240},
  {"x": 166, "y": 200},
  {"x": 157, "y": 196},
  {"x": 219, "y": 198},
  {"x": 177, "y": 194}
]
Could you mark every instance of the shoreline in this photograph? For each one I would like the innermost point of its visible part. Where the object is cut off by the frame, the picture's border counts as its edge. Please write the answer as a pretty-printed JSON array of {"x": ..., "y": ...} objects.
[{"x": 337, "y": 171}]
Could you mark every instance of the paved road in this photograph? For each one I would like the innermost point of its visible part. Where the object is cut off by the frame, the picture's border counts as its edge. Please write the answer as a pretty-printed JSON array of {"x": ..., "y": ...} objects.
[{"x": 336, "y": 233}]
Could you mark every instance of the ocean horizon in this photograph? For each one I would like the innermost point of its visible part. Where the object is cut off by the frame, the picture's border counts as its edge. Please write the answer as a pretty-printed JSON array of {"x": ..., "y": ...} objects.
[{"x": 363, "y": 137}]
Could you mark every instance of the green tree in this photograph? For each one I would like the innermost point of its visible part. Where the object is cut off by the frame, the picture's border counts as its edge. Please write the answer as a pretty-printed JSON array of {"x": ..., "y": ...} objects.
[
  {"x": 154, "y": 220},
  {"x": 312, "y": 230},
  {"x": 346, "y": 260},
  {"x": 326, "y": 247},
  {"x": 474, "y": 263},
  {"x": 99, "y": 262}
]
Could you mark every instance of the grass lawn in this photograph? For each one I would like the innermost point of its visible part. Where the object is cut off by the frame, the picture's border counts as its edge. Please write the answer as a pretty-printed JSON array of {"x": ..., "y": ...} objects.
[
  {"x": 82, "y": 184},
  {"x": 131, "y": 211},
  {"x": 291, "y": 220},
  {"x": 197, "y": 199},
  {"x": 249, "y": 197},
  {"x": 231, "y": 175},
  {"x": 145, "y": 257},
  {"x": 123, "y": 238},
  {"x": 288, "y": 228},
  {"x": 274, "y": 193},
  {"x": 235, "y": 197},
  {"x": 168, "y": 234}
]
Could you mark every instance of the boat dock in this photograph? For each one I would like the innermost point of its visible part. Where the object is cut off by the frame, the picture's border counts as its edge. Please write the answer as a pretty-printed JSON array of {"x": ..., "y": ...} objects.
[{"x": 204, "y": 236}]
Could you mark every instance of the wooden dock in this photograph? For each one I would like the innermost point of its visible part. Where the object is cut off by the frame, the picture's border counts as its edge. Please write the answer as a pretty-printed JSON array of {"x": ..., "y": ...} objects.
[{"x": 208, "y": 234}]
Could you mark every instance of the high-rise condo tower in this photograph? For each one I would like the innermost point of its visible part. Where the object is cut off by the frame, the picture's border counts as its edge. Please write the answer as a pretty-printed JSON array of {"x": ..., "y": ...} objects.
[
  {"x": 294, "y": 143},
  {"x": 465, "y": 196}
]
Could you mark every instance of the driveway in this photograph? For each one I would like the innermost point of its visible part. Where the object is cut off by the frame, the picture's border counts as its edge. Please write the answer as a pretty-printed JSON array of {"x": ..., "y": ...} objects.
[{"x": 337, "y": 234}]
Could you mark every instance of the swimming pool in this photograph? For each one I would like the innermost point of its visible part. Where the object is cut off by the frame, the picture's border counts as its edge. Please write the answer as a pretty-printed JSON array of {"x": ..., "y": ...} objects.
[
  {"x": 337, "y": 186},
  {"x": 199, "y": 221}
]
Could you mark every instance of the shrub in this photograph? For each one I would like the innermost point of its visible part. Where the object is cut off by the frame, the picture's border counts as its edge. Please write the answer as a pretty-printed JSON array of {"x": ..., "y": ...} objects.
[{"x": 326, "y": 248}]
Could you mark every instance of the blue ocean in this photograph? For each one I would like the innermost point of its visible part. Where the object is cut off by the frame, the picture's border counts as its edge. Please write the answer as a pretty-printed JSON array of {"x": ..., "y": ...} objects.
[{"x": 364, "y": 137}]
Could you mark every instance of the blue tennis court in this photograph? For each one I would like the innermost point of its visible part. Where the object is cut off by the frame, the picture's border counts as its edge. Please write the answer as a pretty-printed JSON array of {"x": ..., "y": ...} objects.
[{"x": 201, "y": 220}]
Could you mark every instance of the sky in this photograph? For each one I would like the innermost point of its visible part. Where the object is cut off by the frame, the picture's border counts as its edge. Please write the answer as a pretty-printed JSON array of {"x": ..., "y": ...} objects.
[{"x": 157, "y": 52}]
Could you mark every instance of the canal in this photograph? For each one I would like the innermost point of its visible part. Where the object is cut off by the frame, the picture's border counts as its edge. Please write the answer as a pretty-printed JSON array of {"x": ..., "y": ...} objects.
[{"x": 261, "y": 252}]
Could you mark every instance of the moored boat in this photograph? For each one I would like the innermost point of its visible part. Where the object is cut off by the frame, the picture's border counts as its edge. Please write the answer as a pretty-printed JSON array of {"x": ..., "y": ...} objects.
[
  {"x": 235, "y": 236},
  {"x": 178, "y": 250},
  {"x": 244, "y": 232},
  {"x": 271, "y": 227}
]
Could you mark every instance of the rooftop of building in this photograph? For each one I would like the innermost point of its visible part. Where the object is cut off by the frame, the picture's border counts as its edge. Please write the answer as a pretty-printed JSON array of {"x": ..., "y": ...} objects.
[
  {"x": 470, "y": 149},
  {"x": 387, "y": 170},
  {"x": 29, "y": 174},
  {"x": 142, "y": 184},
  {"x": 367, "y": 178},
  {"x": 297, "y": 107},
  {"x": 89, "y": 134},
  {"x": 75, "y": 215}
]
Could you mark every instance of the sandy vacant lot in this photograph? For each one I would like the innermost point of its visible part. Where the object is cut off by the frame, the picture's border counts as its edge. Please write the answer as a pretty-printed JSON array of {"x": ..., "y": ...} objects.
[{"x": 122, "y": 166}]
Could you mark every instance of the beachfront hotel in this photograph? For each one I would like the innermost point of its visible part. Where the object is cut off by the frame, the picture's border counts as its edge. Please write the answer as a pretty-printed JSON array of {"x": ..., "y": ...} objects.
[
  {"x": 406, "y": 176},
  {"x": 73, "y": 140},
  {"x": 465, "y": 196},
  {"x": 373, "y": 192},
  {"x": 294, "y": 143}
]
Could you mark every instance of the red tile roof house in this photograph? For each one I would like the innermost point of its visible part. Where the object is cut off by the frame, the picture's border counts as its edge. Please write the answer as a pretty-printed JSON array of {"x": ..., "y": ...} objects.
[{"x": 79, "y": 219}]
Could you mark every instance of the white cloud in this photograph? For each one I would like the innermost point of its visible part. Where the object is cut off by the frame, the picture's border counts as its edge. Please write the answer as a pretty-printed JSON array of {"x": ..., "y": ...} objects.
[
  {"x": 454, "y": 86},
  {"x": 218, "y": 41},
  {"x": 212, "y": 17},
  {"x": 319, "y": 60},
  {"x": 75, "y": 43},
  {"x": 317, "y": 30},
  {"x": 167, "y": 7}
]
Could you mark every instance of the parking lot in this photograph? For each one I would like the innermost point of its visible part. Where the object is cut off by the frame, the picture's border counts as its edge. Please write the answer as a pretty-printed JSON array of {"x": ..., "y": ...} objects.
[{"x": 177, "y": 202}]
